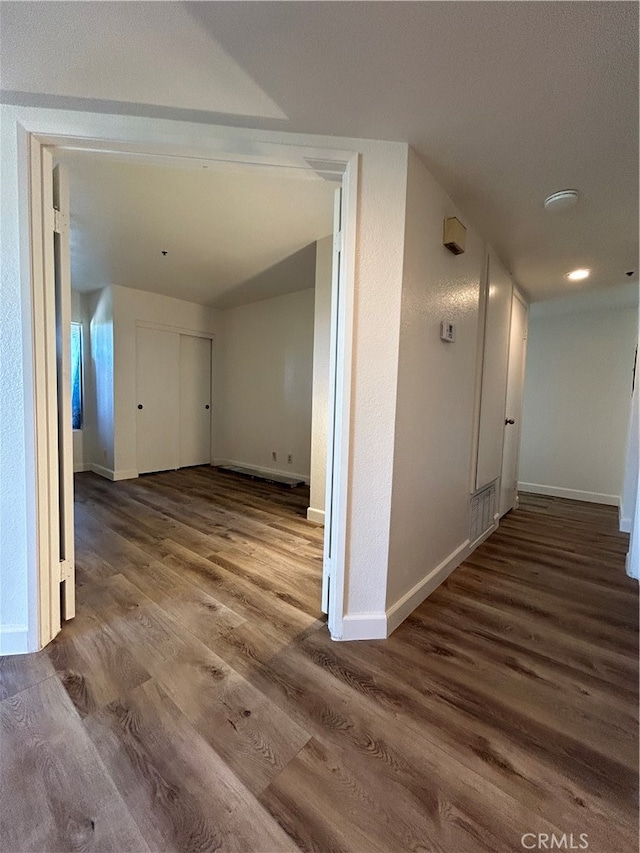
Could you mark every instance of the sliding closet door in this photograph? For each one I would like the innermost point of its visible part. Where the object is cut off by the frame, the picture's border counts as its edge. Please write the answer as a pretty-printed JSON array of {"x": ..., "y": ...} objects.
[
  {"x": 195, "y": 401},
  {"x": 158, "y": 399}
]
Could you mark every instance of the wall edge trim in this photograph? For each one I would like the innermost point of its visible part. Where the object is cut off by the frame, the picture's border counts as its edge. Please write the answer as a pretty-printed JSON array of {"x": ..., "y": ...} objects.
[
  {"x": 315, "y": 515},
  {"x": 378, "y": 626},
  {"x": 110, "y": 474},
  {"x": 14, "y": 640},
  {"x": 127, "y": 474},
  {"x": 363, "y": 626},
  {"x": 625, "y": 524},
  {"x": 405, "y": 605}
]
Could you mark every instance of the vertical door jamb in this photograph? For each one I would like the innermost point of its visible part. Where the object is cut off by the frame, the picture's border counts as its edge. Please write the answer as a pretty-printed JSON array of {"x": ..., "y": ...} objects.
[
  {"x": 43, "y": 335},
  {"x": 339, "y": 427},
  {"x": 66, "y": 554}
]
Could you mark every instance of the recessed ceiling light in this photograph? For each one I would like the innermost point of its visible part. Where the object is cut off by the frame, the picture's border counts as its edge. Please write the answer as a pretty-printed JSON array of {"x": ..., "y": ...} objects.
[
  {"x": 562, "y": 200},
  {"x": 578, "y": 275}
]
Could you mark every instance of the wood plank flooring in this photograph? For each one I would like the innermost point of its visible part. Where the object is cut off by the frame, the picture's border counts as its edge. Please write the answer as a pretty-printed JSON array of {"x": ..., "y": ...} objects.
[{"x": 196, "y": 702}]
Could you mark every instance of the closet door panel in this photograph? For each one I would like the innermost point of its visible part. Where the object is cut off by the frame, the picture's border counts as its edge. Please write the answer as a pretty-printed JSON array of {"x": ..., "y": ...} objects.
[
  {"x": 158, "y": 399},
  {"x": 195, "y": 400}
]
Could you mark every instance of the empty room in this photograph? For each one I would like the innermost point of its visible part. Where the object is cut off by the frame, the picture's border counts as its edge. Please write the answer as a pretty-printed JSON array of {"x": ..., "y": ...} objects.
[
  {"x": 201, "y": 351},
  {"x": 319, "y": 423}
]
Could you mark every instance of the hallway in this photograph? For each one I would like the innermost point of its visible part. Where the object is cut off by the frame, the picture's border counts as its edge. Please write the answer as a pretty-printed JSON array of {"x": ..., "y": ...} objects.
[{"x": 197, "y": 703}]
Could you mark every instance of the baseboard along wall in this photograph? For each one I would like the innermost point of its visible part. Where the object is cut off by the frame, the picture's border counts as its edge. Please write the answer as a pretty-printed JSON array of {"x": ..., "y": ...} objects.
[
  {"x": 378, "y": 626},
  {"x": 316, "y": 515},
  {"x": 569, "y": 494},
  {"x": 261, "y": 470},
  {"x": 110, "y": 474}
]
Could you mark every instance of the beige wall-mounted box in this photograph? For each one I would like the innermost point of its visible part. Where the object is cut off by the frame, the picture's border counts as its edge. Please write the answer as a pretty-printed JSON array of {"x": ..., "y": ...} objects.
[{"x": 455, "y": 235}]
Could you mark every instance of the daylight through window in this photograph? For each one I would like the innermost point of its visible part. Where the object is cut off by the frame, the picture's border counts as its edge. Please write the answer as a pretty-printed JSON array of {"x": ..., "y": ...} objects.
[{"x": 76, "y": 375}]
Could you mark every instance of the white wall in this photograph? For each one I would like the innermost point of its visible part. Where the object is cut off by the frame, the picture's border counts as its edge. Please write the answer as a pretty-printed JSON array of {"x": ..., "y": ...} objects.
[
  {"x": 378, "y": 283},
  {"x": 578, "y": 396},
  {"x": 18, "y": 552},
  {"x": 435, "y": 407},
  {"x": 264, "y": 401},
  {"x": 129, "y": 306},
  {"x": 321, "y": 349}
]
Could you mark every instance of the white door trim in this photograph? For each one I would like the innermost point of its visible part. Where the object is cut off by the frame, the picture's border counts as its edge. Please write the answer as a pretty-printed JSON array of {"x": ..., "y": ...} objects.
[
  {"x": 44, "y": 423},
  {"x": 244, "y": 153}
]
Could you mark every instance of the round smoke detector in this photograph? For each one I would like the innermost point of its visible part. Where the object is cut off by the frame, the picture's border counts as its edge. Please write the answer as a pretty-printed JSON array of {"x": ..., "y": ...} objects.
[{"x": 562, "y": 200}]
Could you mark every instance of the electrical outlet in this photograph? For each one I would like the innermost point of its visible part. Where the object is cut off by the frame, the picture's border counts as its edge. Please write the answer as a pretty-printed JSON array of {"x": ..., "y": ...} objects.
[
  {"x": 290, "y": 459},
  {"x": 274, "y": 456}
]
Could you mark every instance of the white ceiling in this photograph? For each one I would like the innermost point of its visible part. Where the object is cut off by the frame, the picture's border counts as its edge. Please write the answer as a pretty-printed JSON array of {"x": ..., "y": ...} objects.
[
  {"x": 230, "y": 236},
  {"x": 505, "y": 102}
]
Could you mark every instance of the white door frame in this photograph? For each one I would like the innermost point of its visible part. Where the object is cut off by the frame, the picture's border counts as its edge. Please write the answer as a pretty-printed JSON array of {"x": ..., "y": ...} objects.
[{"x": 235, "y": 152}]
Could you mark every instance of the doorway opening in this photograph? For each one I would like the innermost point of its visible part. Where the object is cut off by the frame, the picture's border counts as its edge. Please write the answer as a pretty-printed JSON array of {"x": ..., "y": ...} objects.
[{"x": 197, "y": 348}]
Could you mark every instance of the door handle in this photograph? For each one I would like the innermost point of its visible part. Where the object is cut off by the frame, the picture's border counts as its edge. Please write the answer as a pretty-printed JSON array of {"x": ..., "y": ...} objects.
[
  {"x": 509, "y": 421},
  {"x": 140, "y": 406}
]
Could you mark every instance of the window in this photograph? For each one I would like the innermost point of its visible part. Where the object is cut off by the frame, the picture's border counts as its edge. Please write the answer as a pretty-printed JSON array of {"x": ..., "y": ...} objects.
[{"x": 76, "y": 375}]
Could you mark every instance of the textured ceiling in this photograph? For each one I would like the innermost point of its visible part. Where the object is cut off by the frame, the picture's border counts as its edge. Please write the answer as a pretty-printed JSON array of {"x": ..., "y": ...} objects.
[
  {"x": 505, "y": 102},
  {"x": 230, "y": 237}
]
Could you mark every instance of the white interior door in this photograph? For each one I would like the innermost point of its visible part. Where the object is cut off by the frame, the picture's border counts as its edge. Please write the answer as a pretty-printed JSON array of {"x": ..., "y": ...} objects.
[
  {"x": 195, "y": 400},
  {"x": 494, "y": 373},
  {"x": 158, "y": 399},
  {"x": 513, "y": 410}
]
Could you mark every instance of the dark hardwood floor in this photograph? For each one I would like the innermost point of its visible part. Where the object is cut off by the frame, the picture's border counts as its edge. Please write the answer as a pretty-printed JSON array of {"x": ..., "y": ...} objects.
[{"x": 196, "y": 702}]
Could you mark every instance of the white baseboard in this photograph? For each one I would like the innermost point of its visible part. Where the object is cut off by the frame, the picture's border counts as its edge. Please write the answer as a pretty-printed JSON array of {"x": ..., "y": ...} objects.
[
  {"x": 14, "y": 640},
  {"x": 125, "y": 474},
  {"x": 472, "y": 547},
  {"x": 364, "y": 626},
  {"x": 261, "y": 470},
  {"x": 625, "y": 525},
  {"x": 570, "y": 494},
  {"x": 378, "y": 626},
  {"x": 399, "y": 611},
  {"x": 316, "y": 515},
  {"x": 102, "y": 471},
  {"x": 110, "y": 474},
  {"x": 80, "y": 467}
]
